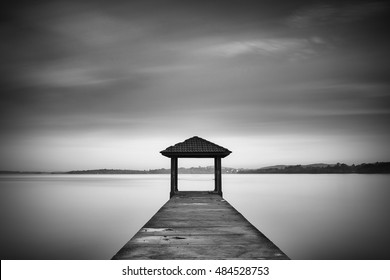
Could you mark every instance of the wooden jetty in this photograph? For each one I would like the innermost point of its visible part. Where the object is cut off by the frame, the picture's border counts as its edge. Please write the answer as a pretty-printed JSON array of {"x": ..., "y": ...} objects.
[{"x": 198, "y": 225}]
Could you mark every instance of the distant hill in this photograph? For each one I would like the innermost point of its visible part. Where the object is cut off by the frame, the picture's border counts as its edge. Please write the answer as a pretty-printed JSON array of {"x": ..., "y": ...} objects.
[
  {"x": 108, "y": 171},
  {"x": 274, "y": 167},
  {"x": 181, "y": 170},
  {"x": 322, "y": 168},
  {"x": 321, "y": 165},
  {"x": 280, "y": 167}
]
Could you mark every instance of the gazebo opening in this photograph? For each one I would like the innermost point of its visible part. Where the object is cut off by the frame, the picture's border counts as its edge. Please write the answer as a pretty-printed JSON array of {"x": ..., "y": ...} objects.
[
  {"x": 196, "y": 147},
  {"x": 196, "y": 174}
]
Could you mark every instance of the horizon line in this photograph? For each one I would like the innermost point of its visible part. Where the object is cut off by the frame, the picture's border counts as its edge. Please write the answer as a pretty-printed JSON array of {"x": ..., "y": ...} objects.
[{"x": 162, "y": 168}]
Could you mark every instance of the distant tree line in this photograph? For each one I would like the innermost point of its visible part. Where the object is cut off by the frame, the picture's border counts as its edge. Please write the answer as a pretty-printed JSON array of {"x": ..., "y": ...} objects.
[
  {"x": 181, "y": 170},
  {"x": 108, "y": 171},
  {"x": 367, "y": 168}
]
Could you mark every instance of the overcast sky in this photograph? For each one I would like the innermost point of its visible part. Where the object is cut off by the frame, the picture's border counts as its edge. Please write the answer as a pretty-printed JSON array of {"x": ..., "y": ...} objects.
[{"x": 109, "y": 84}]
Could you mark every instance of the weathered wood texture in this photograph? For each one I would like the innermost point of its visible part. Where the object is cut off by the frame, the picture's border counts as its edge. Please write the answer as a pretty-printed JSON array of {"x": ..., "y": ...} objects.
[{"x": 199, "y": 225}]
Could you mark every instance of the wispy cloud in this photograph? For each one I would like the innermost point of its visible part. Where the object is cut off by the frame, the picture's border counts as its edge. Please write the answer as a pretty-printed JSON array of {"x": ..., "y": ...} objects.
[
  {"x": 293, "y": 48},
  {"x": 268, "y": 46}
]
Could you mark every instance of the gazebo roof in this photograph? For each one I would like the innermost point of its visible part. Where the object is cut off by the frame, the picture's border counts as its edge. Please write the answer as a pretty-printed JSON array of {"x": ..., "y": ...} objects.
[{"x": 195, "y": 147}]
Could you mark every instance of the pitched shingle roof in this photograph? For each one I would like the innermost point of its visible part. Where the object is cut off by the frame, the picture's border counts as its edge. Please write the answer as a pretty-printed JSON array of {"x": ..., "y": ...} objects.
[{"x": 196, "y": 147}]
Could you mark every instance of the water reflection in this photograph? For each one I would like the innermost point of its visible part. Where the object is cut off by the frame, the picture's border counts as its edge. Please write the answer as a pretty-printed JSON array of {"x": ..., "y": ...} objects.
[
  {"x": 93, "y": 216},
  {"x": 317, "y": 216},
  {"x": 75, "y": 217}
]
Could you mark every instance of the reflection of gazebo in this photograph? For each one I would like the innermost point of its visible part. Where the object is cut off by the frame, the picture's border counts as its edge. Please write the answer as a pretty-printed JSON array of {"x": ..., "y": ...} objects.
[{"x": 196, "y": 147}]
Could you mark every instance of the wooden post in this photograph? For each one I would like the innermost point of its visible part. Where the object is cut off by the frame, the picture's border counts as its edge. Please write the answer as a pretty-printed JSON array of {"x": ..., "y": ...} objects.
[
  {"x": 215, "y": 175},
  {"x": 218, "y": 175},
  {"x": 176, "y": 175},
  {"x": 174, "y": 188}
]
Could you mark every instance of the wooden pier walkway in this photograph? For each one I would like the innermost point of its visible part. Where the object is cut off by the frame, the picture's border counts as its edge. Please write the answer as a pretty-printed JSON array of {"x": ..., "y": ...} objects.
[{"x": 199, "y": 225}]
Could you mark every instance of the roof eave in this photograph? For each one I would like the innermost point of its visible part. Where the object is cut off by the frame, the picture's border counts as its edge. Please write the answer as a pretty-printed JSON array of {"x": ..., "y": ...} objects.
[{"x": 195, "y": 154}]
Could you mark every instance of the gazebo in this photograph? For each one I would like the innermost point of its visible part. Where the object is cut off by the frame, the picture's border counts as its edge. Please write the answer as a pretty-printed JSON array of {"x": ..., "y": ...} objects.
[{"x": 196, "y": 147}]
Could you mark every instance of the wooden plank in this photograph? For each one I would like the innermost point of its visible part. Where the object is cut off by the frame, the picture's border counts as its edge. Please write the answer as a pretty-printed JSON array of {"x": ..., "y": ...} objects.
[
  {"x": 196, "y": 230},
  {"x": 199, "y": 225},
  {"x": 206, "y": 252}
]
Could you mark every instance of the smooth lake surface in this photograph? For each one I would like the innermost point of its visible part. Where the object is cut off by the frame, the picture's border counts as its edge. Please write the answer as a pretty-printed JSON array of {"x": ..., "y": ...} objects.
[{"x": 92, "y": 216}]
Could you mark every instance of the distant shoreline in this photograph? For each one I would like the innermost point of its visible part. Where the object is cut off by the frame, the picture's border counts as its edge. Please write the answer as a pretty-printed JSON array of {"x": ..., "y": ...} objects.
[{"x": 339, "y": 168}]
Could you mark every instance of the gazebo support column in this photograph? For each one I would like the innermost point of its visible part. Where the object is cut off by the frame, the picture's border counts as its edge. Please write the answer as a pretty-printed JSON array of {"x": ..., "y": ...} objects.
[
  {"x": 218, "y": 175},
  {"x": 174, "y": 188}
]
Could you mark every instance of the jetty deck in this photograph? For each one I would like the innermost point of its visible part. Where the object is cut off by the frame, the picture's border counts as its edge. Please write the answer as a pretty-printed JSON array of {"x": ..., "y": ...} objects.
[{"x": 199, "y": 225}]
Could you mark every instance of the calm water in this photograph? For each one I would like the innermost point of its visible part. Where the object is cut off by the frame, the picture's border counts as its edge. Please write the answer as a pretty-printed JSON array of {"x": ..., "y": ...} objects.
[{"x": 93, "y": 216}]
